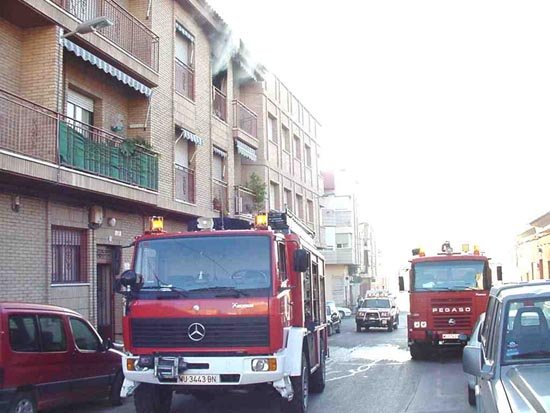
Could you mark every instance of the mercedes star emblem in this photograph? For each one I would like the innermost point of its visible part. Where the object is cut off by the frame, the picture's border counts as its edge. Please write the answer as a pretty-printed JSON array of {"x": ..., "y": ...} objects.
[
  {"x": 452, "y": 321},
  {"x": 196, "y": 332},
  {"x": 196, "y": 307}
]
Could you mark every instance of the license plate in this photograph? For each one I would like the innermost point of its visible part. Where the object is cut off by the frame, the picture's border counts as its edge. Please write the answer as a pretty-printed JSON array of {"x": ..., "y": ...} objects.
[
  {"x": 450, "y": 336},
  {"x": 198, "y": 379}
]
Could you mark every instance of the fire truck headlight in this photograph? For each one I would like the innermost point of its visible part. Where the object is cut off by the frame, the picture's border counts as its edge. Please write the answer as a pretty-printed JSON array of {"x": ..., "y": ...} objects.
[
  {"x": 145, "y": 362},
  {"x": 423, "y": 324},
  {"x": 417, "y": 324},
  {"x": 267, "y": 364}
]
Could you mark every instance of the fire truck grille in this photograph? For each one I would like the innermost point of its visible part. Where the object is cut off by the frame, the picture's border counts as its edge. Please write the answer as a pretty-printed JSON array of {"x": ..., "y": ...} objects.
[
  {"x": 218, "y": 332},
  {"x": 461, "y": 321},
  {"x": 441, "y": 322}
]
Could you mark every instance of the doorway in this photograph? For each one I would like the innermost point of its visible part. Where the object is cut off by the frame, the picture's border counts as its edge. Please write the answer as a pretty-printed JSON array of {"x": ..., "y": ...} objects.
[{"x": 108, "y": 266}]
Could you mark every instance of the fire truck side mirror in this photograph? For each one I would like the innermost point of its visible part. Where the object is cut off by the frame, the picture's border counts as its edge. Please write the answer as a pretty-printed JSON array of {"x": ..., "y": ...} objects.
[
  {"x": 128, "y": 279},
  {"x": 301, "y": 260},
  {"x": 401, "y": 283}
]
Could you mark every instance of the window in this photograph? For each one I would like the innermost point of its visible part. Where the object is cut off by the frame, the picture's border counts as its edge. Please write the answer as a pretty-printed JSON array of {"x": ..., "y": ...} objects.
[
  {"x": 24, "y": 333},
  {"x": 274, "y": 196},
  {"x": 297, "y": 148},
  {"x": 80, "y": 109},
  {"x": 309, "y": 211},
  {"x": 52, "y": 333},
  {"x": 272, "y": 128},
  {"x": 219, "y": 95},
  {"x": 218, "y": 167},
  {"x": 84, "y": 337},
  {"x": 184, "y": 50},
  {"x": 288, "y": 199},
  {"x": 343, "y": 240},
  {"x": 286, "y": 138},
  {"x": 299, "y": 206},
  {"x": 308, "y": 156},
  {"x": 184, "y": 62},
  {"x": 68, "y": 255},
  {"x": 281, "y": 263}
]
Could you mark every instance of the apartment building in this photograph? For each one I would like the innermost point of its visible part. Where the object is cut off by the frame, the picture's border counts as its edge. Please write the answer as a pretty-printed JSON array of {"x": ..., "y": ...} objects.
[
  {"x": 159, "y": 113},
  {"x": 341, "y": 239},
  {"x": 533, "y": 250}
]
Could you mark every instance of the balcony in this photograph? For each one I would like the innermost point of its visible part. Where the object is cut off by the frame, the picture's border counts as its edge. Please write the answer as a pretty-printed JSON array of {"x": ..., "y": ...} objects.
[
  {"x": 244, "y": 201},
  {"x": 185, "y": 80},
  {"x": 37, "y": 132},
  {"x": 185, "y": 184},
  {"x": 219, "y": 196},
  {"x": 128, "y": 32},
  {"x": 219, "y": 103},
  {"x": 245, "y": 124}
]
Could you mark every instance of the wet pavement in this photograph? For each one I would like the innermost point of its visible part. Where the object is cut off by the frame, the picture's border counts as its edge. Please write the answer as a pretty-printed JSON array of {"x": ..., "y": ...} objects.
[{"x": 366, "y": 372}]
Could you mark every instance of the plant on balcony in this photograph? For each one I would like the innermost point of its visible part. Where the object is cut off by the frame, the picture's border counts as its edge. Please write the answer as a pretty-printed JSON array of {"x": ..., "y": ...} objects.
[
  {"x": 130, "y": 146},
  {"x": 259, "y": 188}
]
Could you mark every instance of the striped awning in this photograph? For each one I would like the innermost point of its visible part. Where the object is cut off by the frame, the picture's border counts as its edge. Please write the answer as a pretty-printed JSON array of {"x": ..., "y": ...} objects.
[
  {"x": 190, "y": 136},
  {"x": 183, "y": 31},
  {"x": 106, "y": 67},
  {"x": 219, "y": 152},
  {"x": 246, "y": 151}
]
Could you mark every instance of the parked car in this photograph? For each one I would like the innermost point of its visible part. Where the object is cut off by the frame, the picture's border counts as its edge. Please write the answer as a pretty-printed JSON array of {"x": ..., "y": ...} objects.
[
  {"x": 344, "y": 312},
  {"x": 51, "y": 356},
  {"x": 333, "y": 318},
  {"x": 512, "y": 364},
  {"x": 475, "y": 341},
  {"x": 378, "y": 311}
]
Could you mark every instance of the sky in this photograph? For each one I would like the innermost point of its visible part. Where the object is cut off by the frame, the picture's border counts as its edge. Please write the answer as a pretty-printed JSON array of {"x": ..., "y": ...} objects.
[{"x": 439, "y": 108}]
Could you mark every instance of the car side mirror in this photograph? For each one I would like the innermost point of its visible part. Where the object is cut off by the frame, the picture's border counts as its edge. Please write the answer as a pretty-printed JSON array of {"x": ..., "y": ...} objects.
[
  {"x": 301, "y": 260},
  {"x": 471, "y": 360},
  {"x": 107, "y": 344}
]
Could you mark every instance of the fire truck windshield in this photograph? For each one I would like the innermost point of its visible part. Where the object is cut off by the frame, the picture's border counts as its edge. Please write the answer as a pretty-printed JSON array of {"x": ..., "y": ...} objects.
[
  {"x": 206, "y": 266},
  {"x": 456, "y": 275}
]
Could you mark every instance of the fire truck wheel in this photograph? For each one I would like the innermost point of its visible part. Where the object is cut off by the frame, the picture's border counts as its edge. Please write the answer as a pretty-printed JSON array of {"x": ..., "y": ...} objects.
[
  {"x": 300, "y": 385},
  {"x": 471, "y": 396},
  {"x": 152, "y": 398},
  {"x": 417, "y": 352},
  {"x": 318, "y": 378}
]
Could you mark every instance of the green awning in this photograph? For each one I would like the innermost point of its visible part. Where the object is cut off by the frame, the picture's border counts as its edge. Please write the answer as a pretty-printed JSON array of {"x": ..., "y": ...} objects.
[{"x": 246, "y": 151}]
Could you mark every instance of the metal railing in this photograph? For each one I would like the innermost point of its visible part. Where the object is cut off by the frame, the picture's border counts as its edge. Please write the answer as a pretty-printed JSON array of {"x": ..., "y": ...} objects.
[
  {"x": 185, "y": 183},
  {"x": 219, "y": 196},
  {"x": 127, "y": 32},
  {"x": 35, "y": 131},
  {"x": 185, "y": 80},
  {"x": 219, "y": 103},
  {"x": 245, "y": 119},
  {"x": 245, "y": 201}
]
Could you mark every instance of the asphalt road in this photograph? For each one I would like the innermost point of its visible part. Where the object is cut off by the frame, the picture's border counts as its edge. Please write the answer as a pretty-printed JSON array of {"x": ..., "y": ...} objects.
[{"x": 367, "y": 372}]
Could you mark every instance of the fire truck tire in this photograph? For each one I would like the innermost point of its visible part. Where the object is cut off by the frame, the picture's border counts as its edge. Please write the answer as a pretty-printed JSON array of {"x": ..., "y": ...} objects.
[
  {"x": 318, "y": 378},
  {"x": 418, "y": 352},
  {"x": 152, "y": 398},
  {"x": 300, "y": 385},
  {"x": 471, "y": 396}
]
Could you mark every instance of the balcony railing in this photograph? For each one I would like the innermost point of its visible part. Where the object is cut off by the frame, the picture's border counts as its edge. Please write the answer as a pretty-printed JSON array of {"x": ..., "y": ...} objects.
[
  {"x": 185, "y": 80},
  {"x": 244, "y": 201},
  {"x": 219, "y": 105},
  {"x": 40, "y": 133},
  {"x": 219, "y": 196},
  {"x": 127, "y": 31},
  {"x": 185, "y": 184},
  {"x": 245, "y": 119}
]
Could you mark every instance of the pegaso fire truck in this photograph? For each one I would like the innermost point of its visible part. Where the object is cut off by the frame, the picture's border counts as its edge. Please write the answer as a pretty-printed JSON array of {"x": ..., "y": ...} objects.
[
  {"x": 448, "y": 292},
  {"x": 216, "y": 310}
]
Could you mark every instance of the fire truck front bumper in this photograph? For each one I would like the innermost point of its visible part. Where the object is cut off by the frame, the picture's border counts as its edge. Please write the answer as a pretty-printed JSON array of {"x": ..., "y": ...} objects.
[
  {"x": 438, "y": 338},
  {"x": 202, "y": 371}
]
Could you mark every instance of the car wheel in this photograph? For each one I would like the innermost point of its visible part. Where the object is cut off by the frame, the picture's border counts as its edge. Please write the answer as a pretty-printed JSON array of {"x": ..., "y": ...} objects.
[
  {"x": 471, "y": 396},
  {"x": 152, "y": 398},
  {"x": 318, "y": 378},
  {"x": 358, "y": 328},
  {"x": 300, "y": 385},
  {"x": 390, "y": 325},
  {"x": 23, "y": 403},
  {"x": 342, "y": 314},
  {"x": 116, "y": 387}
]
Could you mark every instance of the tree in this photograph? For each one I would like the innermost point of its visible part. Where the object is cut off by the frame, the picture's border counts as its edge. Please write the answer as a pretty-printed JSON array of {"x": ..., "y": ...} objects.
[{"x": 259, "y": 188}]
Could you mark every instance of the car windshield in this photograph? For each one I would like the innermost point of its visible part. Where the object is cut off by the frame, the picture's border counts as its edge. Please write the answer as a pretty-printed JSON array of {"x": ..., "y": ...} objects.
[
  {"x": 213, "y": 266},
  {"x": 376, "y": 303},
  {"x": 456, "y": 275},
  {"x": 527, "y": 335}
]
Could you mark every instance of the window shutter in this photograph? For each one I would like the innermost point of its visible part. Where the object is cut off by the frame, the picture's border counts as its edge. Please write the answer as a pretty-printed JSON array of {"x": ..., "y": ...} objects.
[{"x": 80, "y": 100}]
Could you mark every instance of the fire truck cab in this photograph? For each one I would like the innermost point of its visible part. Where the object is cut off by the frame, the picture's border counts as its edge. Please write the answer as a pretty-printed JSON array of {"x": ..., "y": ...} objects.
[
  {"x": 448, "y": 292},
  {"x": 220, "y": 309}
]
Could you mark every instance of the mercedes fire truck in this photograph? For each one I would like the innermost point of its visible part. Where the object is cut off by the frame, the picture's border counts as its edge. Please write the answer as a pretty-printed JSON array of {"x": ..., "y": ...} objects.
[
  {"x": 215, "y": 310},
  {"x": 448, "y": 292}
]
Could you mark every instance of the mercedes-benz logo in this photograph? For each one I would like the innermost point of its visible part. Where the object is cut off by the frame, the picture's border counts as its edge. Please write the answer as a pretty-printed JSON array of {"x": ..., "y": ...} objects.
[
  {"x": 196, "y": 332},
  {"x": 452, "y": 321}
]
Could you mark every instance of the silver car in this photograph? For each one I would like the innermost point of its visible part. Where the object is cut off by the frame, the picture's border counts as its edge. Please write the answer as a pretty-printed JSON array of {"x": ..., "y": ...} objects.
[
  {"x": 512, "y": 364},
  {"x": 475, "y": 341}
]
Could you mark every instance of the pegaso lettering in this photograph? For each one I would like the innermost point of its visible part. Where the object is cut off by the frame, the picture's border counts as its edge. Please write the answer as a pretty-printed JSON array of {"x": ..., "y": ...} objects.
[{"x": 451, "y": 310}]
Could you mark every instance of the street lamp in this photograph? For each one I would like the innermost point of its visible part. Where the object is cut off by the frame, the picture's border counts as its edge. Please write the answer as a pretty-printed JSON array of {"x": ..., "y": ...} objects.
[{"x": 90, "y": 26}]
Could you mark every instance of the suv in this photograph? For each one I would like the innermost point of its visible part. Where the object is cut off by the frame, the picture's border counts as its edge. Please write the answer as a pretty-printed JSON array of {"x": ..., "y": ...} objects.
[
  {"x": 51, "y": 356},
  {"x": 512, "y": 364},
  {"x": 333, "y": 317},
  {"x": 377, "y": 312}
]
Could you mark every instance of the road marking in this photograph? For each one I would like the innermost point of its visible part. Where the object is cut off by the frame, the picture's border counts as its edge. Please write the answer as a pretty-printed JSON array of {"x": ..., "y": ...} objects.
[{"x": 353, "y": 372}]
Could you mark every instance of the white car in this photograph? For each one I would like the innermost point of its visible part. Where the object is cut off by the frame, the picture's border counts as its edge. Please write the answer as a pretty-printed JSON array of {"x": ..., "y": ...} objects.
[{"x": 344, "y": 312}]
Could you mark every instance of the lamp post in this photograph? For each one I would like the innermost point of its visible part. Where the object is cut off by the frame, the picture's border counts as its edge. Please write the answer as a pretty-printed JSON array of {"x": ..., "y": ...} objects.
[{"x": 90, "y": 26}]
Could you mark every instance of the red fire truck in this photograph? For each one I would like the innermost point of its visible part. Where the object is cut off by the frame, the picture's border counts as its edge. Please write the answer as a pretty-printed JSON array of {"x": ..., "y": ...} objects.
[
  {"x": 448, "y": 292},
  {"x": 219, "y": 309}
]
